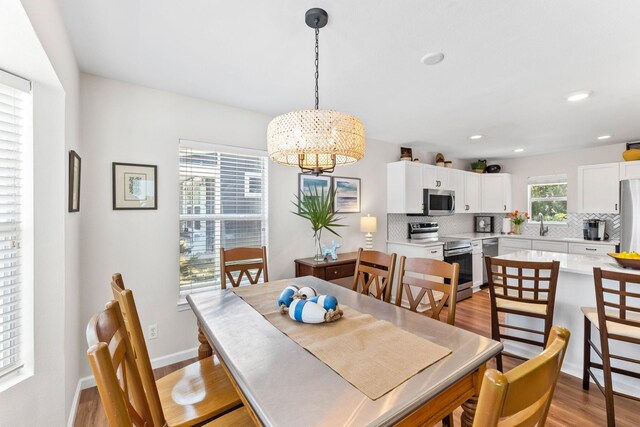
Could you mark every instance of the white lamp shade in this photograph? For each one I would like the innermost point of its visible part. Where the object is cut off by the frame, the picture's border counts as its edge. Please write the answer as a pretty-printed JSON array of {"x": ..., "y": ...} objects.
[{"x": 368, "y": 224}]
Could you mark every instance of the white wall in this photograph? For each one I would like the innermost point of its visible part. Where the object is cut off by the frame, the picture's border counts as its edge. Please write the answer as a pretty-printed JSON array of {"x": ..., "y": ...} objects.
[
  {"x": 557, "y": 163},
  {"x": 44, "y": 398},
  {"x": 128, "y": 123}
]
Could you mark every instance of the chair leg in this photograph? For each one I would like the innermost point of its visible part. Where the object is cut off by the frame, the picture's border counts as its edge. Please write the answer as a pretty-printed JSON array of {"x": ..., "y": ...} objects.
[
  {"x": 586, "y": 360},
  {"x": 608, "y": 387},
  {"x": 499, "y": 362},
  {"x": 448, "y": 420}
]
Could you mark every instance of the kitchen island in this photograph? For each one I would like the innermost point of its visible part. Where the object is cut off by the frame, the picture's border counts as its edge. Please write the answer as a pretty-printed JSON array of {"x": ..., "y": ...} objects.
[{"x": 575, "y": 289}]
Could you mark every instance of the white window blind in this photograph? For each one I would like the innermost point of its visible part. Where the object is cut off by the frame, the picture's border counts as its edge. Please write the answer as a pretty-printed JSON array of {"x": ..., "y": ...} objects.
[
  {"x": 223, "y": 203},
  {"x": 14, "y": 98}
]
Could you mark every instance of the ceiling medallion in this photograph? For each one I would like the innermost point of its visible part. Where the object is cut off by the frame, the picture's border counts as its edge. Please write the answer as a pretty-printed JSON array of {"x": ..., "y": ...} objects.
[{"x": 316, "y": 140}]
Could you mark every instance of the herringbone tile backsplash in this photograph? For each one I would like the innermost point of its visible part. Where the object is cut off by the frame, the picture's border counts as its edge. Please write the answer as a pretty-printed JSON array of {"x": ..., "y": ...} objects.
[{"x": 463, "y": 223}]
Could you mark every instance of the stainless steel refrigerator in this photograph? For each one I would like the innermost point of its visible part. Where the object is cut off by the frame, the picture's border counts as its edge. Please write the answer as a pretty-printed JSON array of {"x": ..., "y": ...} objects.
[{"x": 630, "y": 215}]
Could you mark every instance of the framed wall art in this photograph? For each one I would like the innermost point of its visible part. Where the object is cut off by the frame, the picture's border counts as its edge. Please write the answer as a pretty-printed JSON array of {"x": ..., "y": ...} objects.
[
  {"x": 135, "y": 186},
  {"x": 347, "y": 193},
  {"x": 312, "y": 184},
  {"x": 74, "y": 181}
]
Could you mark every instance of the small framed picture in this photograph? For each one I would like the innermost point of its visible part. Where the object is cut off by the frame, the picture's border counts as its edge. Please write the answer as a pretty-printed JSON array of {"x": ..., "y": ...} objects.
[
  {"x": 74, "y": 181},
  {"x": 135, "y": 186},
  {"x": 311, "y": 184},
  {"x": 347, "y": 191}
]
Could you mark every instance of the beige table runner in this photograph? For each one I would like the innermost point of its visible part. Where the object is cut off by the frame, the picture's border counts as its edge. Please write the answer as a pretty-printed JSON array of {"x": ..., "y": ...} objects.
[{"x": 373, "y": 355}]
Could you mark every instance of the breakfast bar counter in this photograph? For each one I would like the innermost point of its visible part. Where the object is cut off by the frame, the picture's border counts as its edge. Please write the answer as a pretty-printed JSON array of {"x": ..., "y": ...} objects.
[{"x": 575, "y": 289}]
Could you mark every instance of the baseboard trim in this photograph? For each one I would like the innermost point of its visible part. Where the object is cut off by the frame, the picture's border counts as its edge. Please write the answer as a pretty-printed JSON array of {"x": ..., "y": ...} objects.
[{"x": 158, "y": 362}]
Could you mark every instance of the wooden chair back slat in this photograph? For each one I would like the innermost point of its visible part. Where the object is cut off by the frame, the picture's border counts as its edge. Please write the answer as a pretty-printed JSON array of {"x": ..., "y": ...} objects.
[
  {"x": 138, "y": 344},
  {"x": 374, "y": 274},
  {"x": 622, "y": 301},
  {"x": 111, "y": 352},
  {"x": 433, "y": 268},
  {"x": 242, "y": 261},
  {"x": 522, "y": 396}
]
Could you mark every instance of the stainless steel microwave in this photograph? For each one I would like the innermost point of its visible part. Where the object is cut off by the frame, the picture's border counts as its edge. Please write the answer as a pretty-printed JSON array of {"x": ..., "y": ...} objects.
[{"x": 439, "y": 202}]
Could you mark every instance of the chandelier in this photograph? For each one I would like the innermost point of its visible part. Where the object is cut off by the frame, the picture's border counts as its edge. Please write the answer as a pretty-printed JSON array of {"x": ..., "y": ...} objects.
[{"x": 315, "y": 140}]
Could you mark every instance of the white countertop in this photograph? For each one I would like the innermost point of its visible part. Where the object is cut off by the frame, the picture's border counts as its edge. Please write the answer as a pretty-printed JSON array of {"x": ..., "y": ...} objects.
[
  {"x": 418, "y": 244},
  {"x": 570, "y": 263},
  {"x": 480, "y": 236}
]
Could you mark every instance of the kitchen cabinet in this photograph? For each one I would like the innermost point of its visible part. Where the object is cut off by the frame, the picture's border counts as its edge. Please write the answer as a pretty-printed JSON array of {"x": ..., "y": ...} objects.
[
  {"x": 543, "y": 245},
  {"x": 404, "y": 187},
  {"x": 472, "y": 192},
  {"x": 599, "y": 188},
  {"x": 496, "y": 192},
  {"x": 590, "y": 249},
  {"x": 456, "y": 182},
  {"x": 435, "y": 177},
  {"x": 629, "y": 170},
  {"x": 476, "y": 262},
  {"x": 509, "y": 245}
]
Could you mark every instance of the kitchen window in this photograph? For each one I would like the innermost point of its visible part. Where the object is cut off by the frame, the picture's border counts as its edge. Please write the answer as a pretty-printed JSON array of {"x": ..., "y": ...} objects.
[
  {"x": 223, "y": 204},
  {"x": 548, "y": 196}
]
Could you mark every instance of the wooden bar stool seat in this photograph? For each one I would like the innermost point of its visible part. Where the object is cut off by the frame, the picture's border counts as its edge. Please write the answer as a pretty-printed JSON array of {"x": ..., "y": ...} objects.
[
  {"x": 188, "y": 396},
  {"x": 521, "y": 306},
  {"x": 617, "y": 318}
]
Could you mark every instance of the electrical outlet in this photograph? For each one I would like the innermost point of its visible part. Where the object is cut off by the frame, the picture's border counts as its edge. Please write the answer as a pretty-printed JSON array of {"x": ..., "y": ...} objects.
[{"x": 153, "y": 331}]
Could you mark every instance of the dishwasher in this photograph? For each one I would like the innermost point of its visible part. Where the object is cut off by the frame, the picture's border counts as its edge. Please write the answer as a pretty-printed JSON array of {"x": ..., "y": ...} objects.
[{"x": 490, "y": 249}]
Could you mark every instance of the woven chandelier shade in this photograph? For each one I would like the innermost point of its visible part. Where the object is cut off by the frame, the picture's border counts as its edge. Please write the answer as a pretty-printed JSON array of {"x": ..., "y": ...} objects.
[{"x": 312, "y": 139}]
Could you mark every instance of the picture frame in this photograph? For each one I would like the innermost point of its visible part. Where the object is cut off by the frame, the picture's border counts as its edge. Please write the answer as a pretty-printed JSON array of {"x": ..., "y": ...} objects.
[
  {"x": 307, "y": 182},
  {"x": 347, "y": 194},
  {"x": 135, "y": 186},
  {"x": 75, "y": 163}
]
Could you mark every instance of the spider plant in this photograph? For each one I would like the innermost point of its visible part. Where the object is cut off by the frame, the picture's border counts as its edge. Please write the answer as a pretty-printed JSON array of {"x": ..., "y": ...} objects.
[{"x": 316, "y": 207}]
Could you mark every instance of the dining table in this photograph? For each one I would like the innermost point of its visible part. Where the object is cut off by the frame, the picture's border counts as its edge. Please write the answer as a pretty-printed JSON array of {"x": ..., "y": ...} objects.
[{"x": 282, "y": 384}]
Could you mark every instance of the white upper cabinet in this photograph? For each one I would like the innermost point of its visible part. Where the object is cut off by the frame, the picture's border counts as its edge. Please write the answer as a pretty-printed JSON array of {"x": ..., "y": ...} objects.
[
  {"x": 472, "y": 193},
  {"x": 629, "y": 170},
  {"x": 404, "y": 187},
  {"x": 599, "y": 188},
  {"x": 496, "y": 192},
  {"x": 455, "y": 182},
  {"x": 435, "y": 177}
]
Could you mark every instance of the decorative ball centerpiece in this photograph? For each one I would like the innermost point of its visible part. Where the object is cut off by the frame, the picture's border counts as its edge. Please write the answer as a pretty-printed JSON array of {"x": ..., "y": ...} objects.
[{"x": 306, "y": 306}]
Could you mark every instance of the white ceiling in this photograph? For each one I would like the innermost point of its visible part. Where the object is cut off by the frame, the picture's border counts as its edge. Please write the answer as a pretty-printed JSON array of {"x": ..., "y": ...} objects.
[{"x": 508, "y": 67}]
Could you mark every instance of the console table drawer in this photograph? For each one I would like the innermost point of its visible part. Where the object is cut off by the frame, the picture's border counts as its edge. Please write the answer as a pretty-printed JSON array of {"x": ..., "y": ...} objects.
[{"x": 339, "y": 271}]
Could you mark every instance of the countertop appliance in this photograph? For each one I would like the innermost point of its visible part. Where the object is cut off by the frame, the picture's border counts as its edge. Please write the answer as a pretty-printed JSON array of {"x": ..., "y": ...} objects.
[
  {"x": 630, "y": 215},
  {"x": 594, "y": 229},
  {"x": 506, "y": 225},
  {"x": 490, "y": 249},
  {"x": 423, "y": 231},
  {"x": 438, "y": 202},
  {"x": 484, "y": 224}
]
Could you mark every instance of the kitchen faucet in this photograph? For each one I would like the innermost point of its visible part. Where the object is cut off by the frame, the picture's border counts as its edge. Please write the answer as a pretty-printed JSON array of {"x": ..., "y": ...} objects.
[{"x": 543, "y": 230}]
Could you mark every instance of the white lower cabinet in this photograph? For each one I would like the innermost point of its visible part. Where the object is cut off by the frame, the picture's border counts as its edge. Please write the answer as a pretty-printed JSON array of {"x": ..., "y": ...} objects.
[
  {"x": 543, "y": 245},
  {"x": 509, "y": 245},
  {"x": 476, "y": 263},
  {"x": 590, "y": 249}
]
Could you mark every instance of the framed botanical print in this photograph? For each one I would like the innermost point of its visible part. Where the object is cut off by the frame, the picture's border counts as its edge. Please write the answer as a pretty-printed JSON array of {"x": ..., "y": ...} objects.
[
  {"x": 135, "y": 186},
  {"x": 347, "y": 194},
  {"x": 74, "y": 181}
]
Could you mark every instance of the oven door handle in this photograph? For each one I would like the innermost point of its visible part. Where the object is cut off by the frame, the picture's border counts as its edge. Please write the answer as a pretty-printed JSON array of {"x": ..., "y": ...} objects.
[{"x": 457, "y": 252}]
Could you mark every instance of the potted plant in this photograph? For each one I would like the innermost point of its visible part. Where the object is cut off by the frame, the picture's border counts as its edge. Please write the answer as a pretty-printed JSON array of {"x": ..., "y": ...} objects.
[
  {"x": 316, "y": 207},
  {"x": 479, "y": 166},
  {"x": 517, "y": 219}
]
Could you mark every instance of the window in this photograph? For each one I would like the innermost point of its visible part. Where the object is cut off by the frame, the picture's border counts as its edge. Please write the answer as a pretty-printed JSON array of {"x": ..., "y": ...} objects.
[
  {"x": 223, "y": 203},
  {"x": 548, "y": 196},
  {"x": 15, "y": 123}
]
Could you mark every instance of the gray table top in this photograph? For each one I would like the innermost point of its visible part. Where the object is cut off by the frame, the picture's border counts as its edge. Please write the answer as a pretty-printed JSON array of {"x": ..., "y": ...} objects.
[{"x": 288, "y": 386}]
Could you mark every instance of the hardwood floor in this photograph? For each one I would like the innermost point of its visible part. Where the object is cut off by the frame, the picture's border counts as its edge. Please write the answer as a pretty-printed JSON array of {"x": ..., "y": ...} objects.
[{"x": 571, "y": 405}]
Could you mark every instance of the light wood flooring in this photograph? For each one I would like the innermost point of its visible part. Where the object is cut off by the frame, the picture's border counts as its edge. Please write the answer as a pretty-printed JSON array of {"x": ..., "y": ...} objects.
[{"x": 571, "y": 405}]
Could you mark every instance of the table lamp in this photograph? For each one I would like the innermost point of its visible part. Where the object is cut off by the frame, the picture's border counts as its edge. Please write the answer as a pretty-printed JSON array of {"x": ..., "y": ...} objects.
[{"x": 368, "y": 224}]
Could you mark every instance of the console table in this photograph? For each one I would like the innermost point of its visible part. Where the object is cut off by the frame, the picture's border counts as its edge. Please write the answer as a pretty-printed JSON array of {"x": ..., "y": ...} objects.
[{"x": 344, "y": 266}]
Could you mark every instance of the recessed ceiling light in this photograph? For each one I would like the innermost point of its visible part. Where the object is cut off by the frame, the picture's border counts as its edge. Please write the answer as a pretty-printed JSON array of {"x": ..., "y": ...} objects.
[
  {"x": 579, "y": 96},
  {"x": 475, "y": 137},
  {"x": 604, "y": 137},
  {"x": 518, "y": 150},
  {"x": 432, "y": 58}
]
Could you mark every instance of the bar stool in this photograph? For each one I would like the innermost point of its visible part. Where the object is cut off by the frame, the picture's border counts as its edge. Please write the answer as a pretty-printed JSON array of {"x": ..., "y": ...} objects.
[
  {"x": 617, "y": 317},
  {"x": 532, "y": 295}
]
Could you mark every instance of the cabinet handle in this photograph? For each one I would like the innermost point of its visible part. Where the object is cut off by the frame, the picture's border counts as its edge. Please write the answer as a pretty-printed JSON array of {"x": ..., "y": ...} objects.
[
  {"x": 434, "y": 252},
  {"x": 505, "y": 207},
  {"x": 590, "y": 249},
  {"x": 335, "y": 272},
  {"x": 616, "y": 206},
  {"x": 466, "y": 207}
]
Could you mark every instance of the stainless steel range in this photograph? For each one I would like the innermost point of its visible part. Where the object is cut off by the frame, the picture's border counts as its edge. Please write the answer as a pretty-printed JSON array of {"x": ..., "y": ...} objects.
[{"x": 455, "y": 250}]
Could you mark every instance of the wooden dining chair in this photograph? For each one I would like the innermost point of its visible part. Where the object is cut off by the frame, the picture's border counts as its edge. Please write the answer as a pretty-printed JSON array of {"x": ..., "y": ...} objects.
[
  {"x": 617, "y": 318},
  {"x": 195, "y": 393},
  {"x": 408, "y": 284},
  {"x": 522, "y": 396},
  {"x": 374, "y": 274},
  {"x": 242, "y": 261},
  {"x": 525, "y": 289}
]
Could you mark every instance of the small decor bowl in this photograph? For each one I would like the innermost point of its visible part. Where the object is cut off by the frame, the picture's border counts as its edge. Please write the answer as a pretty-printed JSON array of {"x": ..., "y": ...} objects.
[
  {"x": 631, "y": 155},
  {"x": 493, "y": 169},
  {"x": 633, "y": 263}
]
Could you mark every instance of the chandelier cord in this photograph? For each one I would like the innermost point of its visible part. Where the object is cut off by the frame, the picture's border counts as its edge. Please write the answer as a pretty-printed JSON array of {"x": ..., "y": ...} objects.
[{"x": 317, "y": 62}]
